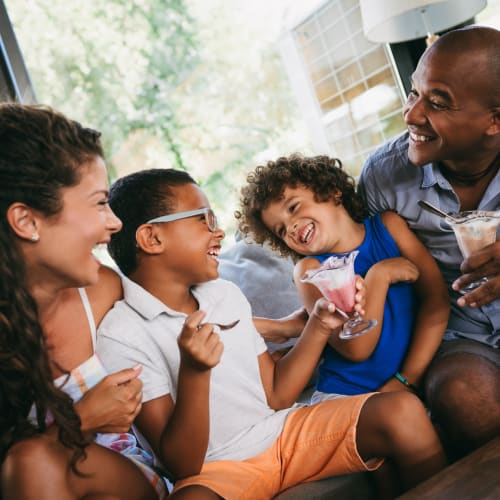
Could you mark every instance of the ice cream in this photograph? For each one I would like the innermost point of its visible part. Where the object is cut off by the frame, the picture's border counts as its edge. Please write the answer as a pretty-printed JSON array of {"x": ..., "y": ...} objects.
[
  {"x": 336, "y": 281},
  {"x": 475, "y": 230}
]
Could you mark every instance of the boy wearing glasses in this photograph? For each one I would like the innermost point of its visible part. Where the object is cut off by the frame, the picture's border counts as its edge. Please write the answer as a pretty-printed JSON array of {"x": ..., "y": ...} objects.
[{"x": 217, "y": 410}]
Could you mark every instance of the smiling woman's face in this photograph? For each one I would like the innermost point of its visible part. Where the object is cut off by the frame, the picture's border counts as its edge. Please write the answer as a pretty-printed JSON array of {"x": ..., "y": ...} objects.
[{"x": 63, "y": 255}]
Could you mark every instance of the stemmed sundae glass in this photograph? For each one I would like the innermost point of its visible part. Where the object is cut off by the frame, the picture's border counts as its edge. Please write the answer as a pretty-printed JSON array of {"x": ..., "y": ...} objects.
[
  {"x": 336, "y": 281},
  {"x": 474, "y": 230}
]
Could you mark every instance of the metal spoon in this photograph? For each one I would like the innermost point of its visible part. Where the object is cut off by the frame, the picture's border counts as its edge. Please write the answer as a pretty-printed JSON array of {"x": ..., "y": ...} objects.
[
  {"x": 434, "y": 210},
  {"x": 221, "y": 326},
  {"x": 342, "y": 313}
]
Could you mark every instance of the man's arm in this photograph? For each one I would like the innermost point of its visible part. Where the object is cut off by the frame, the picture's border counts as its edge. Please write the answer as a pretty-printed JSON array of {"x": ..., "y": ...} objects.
[{"x": 484, "y": 263}]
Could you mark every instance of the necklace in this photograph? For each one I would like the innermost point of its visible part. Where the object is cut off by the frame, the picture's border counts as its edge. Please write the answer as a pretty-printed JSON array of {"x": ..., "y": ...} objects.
[{"x": 466, "y": 178}]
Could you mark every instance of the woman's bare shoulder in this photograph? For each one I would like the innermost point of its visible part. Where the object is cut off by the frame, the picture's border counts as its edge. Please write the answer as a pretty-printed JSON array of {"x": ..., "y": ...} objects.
[{"x": 105, "y": 293}]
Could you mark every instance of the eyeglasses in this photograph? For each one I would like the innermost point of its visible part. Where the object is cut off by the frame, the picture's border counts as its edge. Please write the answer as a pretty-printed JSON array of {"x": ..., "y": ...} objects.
[{"x": 210, "y": 218}]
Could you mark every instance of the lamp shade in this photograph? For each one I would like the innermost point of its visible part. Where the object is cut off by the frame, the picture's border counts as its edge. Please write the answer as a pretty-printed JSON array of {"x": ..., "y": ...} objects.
[{"x": 389, "y": 21}]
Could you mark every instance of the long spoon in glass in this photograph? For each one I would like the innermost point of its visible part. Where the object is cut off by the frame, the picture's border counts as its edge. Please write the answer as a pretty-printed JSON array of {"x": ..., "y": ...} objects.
[{"x": 435, "y": 210}]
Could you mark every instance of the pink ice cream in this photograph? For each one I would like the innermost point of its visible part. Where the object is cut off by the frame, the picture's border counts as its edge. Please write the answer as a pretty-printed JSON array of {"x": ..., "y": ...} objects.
[
  {"x": 342, "y": 297},
  {"x": 336, "y": 281}
]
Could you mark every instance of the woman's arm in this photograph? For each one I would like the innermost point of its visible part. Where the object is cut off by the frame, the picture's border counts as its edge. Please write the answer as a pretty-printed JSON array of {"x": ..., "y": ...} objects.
[
  {"x": 112, "y": 404},
  {"x": 434, "y": 303},
  {"x": 282, "y": 329}
]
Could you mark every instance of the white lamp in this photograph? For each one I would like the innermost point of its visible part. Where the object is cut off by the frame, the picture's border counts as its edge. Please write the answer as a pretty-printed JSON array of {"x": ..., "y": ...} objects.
[{"x": 390, "y": 21}]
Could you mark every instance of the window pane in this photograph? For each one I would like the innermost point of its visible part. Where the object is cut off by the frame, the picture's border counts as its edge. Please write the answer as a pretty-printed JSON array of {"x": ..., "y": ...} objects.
[
  {"x": 306, "y": 32},
  {"x": 353, "y": 92},
  {"x": 354, "y": 20},
  {"x": 348, "y": 4},
  {"x": 340, "y": 124},
  {"x": 356, "y": 91},
  {"x": 361, "y": 44},
  {"x": 336, "y": 35},
  {"x": 384, "y": 76},
  {"x": 373, "y": 60},
  {"x": 327, "y": 88},
  {"x": 349, "y": 75},
  {"x": 329, "y": 15},
  {"x": 344, "y": 147},
  {"x": 392, "y": 125},
  {"x": 342, "y": 55},
  {"x": 319, "y": 69},
  {"x": 369, "y": 137},
  {"x": 313, "y": 50},
  {"x": 331, "y": 103}
]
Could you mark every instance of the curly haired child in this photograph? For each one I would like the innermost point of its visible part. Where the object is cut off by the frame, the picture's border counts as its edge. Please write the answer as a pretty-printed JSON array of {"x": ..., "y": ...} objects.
[{"x": 308, "y": 208}]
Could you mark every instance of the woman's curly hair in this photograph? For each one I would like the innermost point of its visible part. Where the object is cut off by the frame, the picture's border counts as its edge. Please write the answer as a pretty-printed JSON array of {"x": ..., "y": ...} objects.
[
  {"x": 323, "y": 175},
  {"x": 41, "y": 152}
]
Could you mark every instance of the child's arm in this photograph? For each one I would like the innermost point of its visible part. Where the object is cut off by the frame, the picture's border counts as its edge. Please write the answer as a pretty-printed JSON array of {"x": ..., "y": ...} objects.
[
  {"x": 378, "y": 279},
  {"x": 434, "y": 303},
  {"x": 284, "y": 379},
  {"x": 281, "y": 329},
  {"x": 178, "y": 433}
]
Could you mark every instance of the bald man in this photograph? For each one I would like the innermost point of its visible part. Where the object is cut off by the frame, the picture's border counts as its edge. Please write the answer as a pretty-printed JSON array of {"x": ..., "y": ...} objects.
[{"x": 450, "y": 157}]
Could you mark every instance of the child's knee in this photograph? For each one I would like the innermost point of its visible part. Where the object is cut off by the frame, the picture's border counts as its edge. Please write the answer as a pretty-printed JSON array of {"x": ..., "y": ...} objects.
[{"x": 397, "y": 416}]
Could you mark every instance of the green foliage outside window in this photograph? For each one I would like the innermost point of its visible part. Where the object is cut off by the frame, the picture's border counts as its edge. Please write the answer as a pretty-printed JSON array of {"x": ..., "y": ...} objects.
[{"x": 178, "y": 83}]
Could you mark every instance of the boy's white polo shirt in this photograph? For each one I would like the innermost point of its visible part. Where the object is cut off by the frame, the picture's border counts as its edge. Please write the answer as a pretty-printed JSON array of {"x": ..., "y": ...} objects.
[{"x": 141, "y": 329}]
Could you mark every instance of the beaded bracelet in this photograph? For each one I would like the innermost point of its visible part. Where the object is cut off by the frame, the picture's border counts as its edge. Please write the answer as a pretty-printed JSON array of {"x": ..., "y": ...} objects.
[{"x": 405, "y": 382}]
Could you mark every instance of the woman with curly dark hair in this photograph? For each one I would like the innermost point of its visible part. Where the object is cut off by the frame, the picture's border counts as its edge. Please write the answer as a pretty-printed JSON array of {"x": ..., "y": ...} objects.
[
  {"x": 308, "y": 207},
  {"x": 53, "y": 212}
]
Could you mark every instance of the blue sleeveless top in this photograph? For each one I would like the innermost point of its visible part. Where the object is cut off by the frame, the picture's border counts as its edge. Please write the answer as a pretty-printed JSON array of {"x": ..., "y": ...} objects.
[{"x": 342, "y": 376}]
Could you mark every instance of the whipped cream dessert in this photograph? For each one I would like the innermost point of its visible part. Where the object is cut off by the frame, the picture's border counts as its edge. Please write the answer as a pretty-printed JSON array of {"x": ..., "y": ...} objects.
[
  {"x": 475, "y": 230},
  {"x": 336, "y": 281}
]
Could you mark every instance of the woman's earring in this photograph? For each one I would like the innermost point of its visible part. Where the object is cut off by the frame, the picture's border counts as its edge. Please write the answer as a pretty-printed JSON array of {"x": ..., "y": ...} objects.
[{"x": 35, "y": 236}]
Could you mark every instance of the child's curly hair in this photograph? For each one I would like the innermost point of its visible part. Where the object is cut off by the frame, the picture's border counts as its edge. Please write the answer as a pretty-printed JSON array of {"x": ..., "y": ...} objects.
[{"x": 321, "y": 174}]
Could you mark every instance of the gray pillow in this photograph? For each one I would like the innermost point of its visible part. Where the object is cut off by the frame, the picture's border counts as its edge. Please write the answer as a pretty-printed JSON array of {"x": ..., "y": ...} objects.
[{"x": 264, "y": 277}]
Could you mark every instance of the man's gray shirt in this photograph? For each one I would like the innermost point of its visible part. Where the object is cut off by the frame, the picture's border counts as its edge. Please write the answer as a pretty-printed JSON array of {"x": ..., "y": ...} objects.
[{"x": 389, "y": 181}]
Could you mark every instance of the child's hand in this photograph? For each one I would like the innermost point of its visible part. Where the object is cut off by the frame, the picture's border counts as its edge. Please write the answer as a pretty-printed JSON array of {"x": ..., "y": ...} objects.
[
  {"x": 325, "y": 312},
  {"x": 199, "y": 345},
  {"x": 360, "y": 297},
  {"x": 395, "y": 270}
]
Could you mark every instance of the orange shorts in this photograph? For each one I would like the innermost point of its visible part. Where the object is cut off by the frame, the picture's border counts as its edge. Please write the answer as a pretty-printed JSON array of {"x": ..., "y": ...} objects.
[{"x": 316, "y": 442}]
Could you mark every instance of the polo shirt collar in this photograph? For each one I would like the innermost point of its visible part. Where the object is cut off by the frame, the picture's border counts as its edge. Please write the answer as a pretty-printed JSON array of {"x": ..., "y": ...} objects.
[
  {"x": 144, "y": 303},
  {"x": 149, "y": 307},
  {"x": 431, "y": 174}
]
